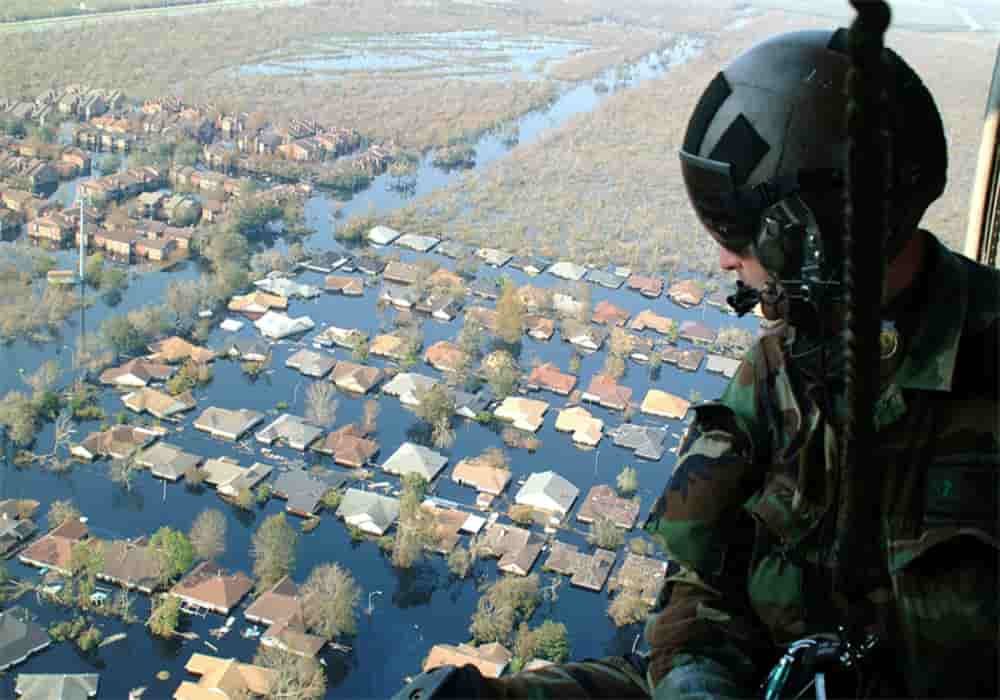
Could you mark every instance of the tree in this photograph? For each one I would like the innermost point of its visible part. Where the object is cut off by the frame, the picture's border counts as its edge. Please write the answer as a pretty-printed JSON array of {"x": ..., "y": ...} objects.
[
  {"x": 605, "y": 534},
  {"x": 548, "y": 641},
  {"x": 628, "y": 481},
  {"x": 122, "y": 336},
  {"x": 61, "y": 511},
  {"x": 510, "y": 314},
  {"x": 18, "y": 413},
  {"x": 369, "y": 419},
  {"x": 293, "y": 676},
  {"x": 330, "y": 601},
  {"x": 436, "y": 406},
  {"x": 321, "y": 404},
  {"x": 501, "y": 372},
  {"x": 461, "y": 561},
  {"x": 628, "y": 608},
  {"x": 208, "y": 534},
  {"x": 122, "y": 471},
  {"x": 273, "y": 550},
  {"x": 502, "y": 605},
  {"x": 164, "y": 616},
  {"x": 173, "y": 551}
]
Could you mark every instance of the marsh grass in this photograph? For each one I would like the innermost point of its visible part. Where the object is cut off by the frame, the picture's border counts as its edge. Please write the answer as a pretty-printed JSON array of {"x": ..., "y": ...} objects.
[{"x": 605, "y": 187}]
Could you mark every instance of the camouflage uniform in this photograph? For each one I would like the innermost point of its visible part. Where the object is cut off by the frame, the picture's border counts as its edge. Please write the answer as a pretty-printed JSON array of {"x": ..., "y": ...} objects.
[{"x": 743, "y": 517}]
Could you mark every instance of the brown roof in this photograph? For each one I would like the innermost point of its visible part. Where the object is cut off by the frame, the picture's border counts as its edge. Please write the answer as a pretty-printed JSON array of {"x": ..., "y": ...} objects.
[
  {"x": 158, "y": 403},
  {"x": 649, "y": 319},
  {"x": 131, "y": 563},
  {"x": 475, "y": 472},
  {"x": 487, "y": 318},
  {"x": 686, "y": 292},
  {"x": 605, "y": 391},
  {"x": 142, "y": 369},
  {"x": 387, "y": 346},
  {"x": 697, "y": 332},
  {"x": 355, "y": 377},
  {"x": 602, "y": 501},
  {"x": 348, "y": 446},
  {"x": 610, "y": 315},
  {"x": 257, "y": 301},
  {"x": 443, "y": 277},
  {"x": 210, "y": 585},
  {"x": 445, "y": 355},
  {"x": 539, "y": 327},
  {"x": 647, "y": 286},
  {"x": 222, "y": 678},
  {"x": 643, "y": 575},
  {"x": 351, "y": 286},
  {"x": 55, "y": 549},
  {"x": 401, "y": 272},
  {"x": 660, "y": 403},
  {"x": 282, "y": 602},
  {"x": 490, "y": 659},
  {"x": 548, "y": 376},
  {"x": 175, "y": 349},
  {"x": 586, "y": 429}
]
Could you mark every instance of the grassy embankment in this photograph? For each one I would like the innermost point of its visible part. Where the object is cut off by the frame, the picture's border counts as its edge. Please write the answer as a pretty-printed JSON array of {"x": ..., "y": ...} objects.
[
  {"x": 606, "y": 186},
  {"x": 20, "y": 10}
]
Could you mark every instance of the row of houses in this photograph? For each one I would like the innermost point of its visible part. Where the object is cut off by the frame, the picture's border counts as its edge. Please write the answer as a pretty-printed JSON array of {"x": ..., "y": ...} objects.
[{"x": 135, "y": 239}]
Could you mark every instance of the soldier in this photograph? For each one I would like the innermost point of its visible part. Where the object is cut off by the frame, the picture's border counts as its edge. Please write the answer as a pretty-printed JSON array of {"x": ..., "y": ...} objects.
[{"x": 750, "y": 514}]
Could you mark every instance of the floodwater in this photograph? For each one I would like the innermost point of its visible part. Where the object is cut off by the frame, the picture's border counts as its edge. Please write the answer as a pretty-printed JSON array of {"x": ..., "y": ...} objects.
[
  {"x": 412, "y": 609},
  {"x": 472, "y": 54}
]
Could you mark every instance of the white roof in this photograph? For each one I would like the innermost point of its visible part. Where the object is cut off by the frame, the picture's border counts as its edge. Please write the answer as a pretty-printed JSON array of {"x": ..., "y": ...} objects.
[
  {"x": 722, "y": 365},
  {"x": 416, "y": 242},
  {"x": 278, "y": 325},
  {"x": 473, "y": 524},
  {"x": 412, "y": 458},
  {"x": 282, "y": 286},
  {"x": 568, "y": 270},
  {"x": 231, "y": 325},
  {"x": 405, "y": 385},
  {"x": 548, "y": 491},
  {"x": 382, "y": 235}
]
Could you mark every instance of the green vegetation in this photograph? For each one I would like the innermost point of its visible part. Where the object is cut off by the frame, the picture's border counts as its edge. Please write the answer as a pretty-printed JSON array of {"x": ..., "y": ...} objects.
[
  {"x": 61, "y": 511},
  {"x": 628, "y": 608},
  {"x": 548, "y": 641},
  {"x": 208, "y": 534},
  {"x": 504, "y": 604},
  {"x": 330, "y": 601},
  {"x": 605, "y": 534},
  {"x": 627, "y": 481},
  {"x": 174, "y": 552},
  {"x": 436, "y": 407},
  {"x": 165, "y": 616},
  {"x": 273, "y": 550},
  {"x": 461, "y": 561},
  {"x": 19, "y": 10},
  {"x": 191, "y": 375}
]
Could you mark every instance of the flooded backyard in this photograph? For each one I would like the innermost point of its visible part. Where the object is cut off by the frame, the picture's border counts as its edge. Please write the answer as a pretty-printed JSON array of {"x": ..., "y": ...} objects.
[{"x": 412, "y": 609}]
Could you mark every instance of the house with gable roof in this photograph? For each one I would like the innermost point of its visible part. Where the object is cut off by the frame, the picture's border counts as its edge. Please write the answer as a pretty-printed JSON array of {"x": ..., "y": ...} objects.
[
  {"x": 367, "y": 511},
  {"x": 549, "y": 492},
  {"x": 411, "y": 458},
  {"x": 211, "y": 587}
]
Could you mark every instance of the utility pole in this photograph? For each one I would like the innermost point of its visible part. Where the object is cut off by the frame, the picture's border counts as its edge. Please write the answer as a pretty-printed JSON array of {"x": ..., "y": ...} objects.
[{"x": 371, "y": 608}]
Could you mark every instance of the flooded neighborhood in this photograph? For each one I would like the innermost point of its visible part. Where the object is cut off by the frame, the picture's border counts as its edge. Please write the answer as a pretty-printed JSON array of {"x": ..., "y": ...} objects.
[{"x": 292, "y": 407}]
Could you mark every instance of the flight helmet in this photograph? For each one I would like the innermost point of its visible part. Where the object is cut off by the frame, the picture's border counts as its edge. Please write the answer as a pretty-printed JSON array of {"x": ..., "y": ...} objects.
[{"x": 770, "y": 129}]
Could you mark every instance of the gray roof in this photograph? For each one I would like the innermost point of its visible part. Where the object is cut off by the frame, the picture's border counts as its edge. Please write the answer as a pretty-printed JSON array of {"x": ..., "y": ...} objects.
[
  {"x": 226, "y": 421},
  {"x": 647, "y": 441},
  {"x": 567, "y": 270},
  {"x": 453, "y": 249},
  {"x": 294, "y": 430},
  {"x": 417, "y": 242},
  {"x": 411, "y": 458},
  {"x": 311, "y": 363},
  {"x": 56, "y": 686},
  {"x": 383, "y": 510},
  {"x": 164, "y": 459},
  {"x": 548, "y": 486},
  {"x": 304, "y": 490},
  {"x": 19, "y": 637},
  {"x": 605, "y": 279},
  {"x": 722, "y": 365},
  {"x": 382, "y": 235}
]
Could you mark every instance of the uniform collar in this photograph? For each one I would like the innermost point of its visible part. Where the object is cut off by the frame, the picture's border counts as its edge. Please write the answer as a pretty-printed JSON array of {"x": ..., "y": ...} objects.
[{"x": 929, "y": 362}]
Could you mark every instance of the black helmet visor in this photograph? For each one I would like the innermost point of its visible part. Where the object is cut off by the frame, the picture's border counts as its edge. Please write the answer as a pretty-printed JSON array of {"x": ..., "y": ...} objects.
[{"x": 727, "y": 215}]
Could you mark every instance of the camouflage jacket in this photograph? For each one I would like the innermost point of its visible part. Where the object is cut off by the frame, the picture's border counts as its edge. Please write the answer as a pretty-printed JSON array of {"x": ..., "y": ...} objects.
[
  {"x": 748, "y": 510},
  {"x": 744, "y": 516}
]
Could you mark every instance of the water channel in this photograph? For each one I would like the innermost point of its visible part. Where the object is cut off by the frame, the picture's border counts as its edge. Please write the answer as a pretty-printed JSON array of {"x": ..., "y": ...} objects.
[{"x": 418, "y": 607}]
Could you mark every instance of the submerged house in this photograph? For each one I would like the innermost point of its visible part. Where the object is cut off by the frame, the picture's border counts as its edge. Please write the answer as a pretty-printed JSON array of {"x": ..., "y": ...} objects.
[
  {"x": 489, "y": 659},
  {"x": 517, "y": 548},
  {"x": 176, "y": 349},
  {"x": 607, "y": 314},
  {"x": 588, "y": 571},
  {"x": 56, "y": 686},
  {"x": 603, "y": 502},
  {"x": 20, "y": 637},
  {"x": 355, "y": 378},
  {"x": 226, "y": 423},
  {"x": 304, "y": 490},
  {"x": 665, "y": 405},
  {"x": 547, "y": 376},
  {"x": 223, "y": 678},
  {"x": 408, "y": 387},
  {"x": 311, "y": 363},
  {"x": 211, "y": 587},
  {"x": 276, "y": 325},
  {"x": 137, "y": 373},
  {"x": 586, "y": 429},
  {"x": 548, "y": 492},
  {"x": 280, "y": 610},
  {"x": 484, "y": 477},
  {"x": 644, "y": 576},
  {"x": 411, "y": 458},
  {"x": 54, "y": 550},
  {"x": 606, "y": 392},
  {"x": 525, "y": 414},
  {"x": 290, "y": 430},
  {"x": 117, "y": 442},
  {"x": 158, "y": 403},
  {"x": 367, "y": 511},
  {"x": 166, "y": 461},
  {"x": 348, "y": 446}
]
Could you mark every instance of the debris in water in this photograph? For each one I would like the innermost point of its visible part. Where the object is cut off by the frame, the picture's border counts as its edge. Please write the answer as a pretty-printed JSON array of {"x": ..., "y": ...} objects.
[
  {"x": 112, "y": 639},
  {"x": 163, "y": 675}
]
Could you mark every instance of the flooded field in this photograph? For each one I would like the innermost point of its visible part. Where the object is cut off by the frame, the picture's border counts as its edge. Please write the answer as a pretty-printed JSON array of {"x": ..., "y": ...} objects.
[{"x": 477, "y": 55}]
